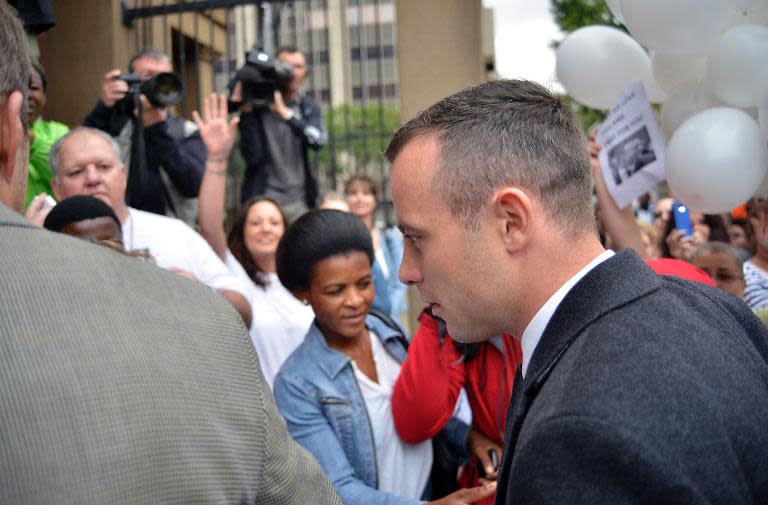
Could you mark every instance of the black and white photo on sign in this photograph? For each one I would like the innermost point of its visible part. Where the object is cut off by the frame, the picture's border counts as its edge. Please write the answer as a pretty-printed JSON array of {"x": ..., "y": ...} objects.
[
  {"x": 631, "y": 154},
  {"x": 634, "y": 149}
]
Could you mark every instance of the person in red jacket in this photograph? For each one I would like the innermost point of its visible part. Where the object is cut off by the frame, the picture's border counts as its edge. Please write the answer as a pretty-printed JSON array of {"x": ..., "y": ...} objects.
[{"x": 430, "y": 382}]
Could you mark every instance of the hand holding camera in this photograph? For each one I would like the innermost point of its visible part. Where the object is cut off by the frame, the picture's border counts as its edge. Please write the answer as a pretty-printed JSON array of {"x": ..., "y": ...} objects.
[
  {"x": 156, "y": 94},
  {"x": 112, "y": 89},
  {"x": 258, "y": 84}
]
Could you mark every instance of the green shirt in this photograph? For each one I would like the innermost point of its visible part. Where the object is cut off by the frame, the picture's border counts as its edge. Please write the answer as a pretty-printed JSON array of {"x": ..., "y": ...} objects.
[{"x": 47, "y": 133}]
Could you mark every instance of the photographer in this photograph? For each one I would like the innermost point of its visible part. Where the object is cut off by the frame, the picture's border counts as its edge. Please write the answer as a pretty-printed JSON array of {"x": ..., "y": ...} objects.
[
  {"x": 275, "y": 138},
  {"x": 174, "y": 153}
]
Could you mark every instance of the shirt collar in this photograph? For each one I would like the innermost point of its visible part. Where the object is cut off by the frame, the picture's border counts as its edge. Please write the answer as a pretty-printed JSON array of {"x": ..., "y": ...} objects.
[{"x": 538, "y": 324}]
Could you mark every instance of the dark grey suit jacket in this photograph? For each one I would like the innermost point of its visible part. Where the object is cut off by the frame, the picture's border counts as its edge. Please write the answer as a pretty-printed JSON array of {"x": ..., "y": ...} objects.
[
  {"x": 643, "y": 389},
  {"x": 124, "y": 383}
]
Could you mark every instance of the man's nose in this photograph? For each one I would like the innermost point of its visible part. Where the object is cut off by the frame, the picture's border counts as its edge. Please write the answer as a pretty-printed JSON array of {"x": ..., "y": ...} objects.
[
  {"x": 92, "y": 175},
  {"x": 409, "y": 272}
]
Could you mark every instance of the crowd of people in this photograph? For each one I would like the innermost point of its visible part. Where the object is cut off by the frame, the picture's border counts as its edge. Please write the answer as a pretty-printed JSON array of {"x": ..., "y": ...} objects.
[{"x": 177, "y": 355}]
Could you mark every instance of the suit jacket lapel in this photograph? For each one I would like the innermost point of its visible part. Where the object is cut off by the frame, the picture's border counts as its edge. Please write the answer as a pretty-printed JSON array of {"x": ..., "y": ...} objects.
[{"x": 613, "y": 283}]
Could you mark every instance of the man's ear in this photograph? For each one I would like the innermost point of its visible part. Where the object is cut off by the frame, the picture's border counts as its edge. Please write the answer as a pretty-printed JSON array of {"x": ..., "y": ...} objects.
[
  {"x": 513, "y": 210},
  {"x": 11, "y": 136},
  {"x": 56, "y": 188}
]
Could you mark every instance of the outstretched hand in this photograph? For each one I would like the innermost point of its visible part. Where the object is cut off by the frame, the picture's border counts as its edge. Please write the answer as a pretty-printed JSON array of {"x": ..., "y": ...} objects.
[
  {"x": 467, "y": 496},
  {"x": 217, "y": 133}
]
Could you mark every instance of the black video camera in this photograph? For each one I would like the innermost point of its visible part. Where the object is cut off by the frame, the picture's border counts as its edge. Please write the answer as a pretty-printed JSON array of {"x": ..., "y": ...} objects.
[
  {"x": 163, "y": 90},
  {"x": 261, "y": 76}
]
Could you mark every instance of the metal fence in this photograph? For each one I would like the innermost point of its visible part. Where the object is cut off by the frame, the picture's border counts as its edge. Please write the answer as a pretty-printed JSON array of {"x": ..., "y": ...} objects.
[{"x": 350, "y": 49}]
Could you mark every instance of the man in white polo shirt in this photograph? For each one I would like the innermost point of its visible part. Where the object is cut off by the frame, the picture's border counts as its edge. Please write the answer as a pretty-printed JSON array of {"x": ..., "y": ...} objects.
[{"x": 87, "y": 162}]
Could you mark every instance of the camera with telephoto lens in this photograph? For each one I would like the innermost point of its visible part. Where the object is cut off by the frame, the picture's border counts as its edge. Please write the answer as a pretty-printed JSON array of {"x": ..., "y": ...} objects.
[
  {"x": 261, "y": 76},
  {"x": 163, "y": 90}
]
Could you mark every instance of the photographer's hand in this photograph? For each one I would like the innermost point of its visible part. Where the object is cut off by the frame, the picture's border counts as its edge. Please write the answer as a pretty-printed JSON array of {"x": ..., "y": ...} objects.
[
  {"x": 217, "y": 133},
  {"x": 112, "y": 89},
  {"x": 237, "y": 96},
  {"x": 279, "y": 107}
]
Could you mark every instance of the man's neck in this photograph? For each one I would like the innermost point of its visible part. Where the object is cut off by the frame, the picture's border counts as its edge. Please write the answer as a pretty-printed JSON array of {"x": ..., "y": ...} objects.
[
  {"x": 122, "y": 212},
  {"x": 580, "y": 254}
]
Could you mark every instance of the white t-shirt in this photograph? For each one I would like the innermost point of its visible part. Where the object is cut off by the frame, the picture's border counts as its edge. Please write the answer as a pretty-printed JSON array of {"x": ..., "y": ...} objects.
[
  {"x": 403, "y": 468},
  {"x": 280, "y": 321},
  {"x": 173, "y": 244}
]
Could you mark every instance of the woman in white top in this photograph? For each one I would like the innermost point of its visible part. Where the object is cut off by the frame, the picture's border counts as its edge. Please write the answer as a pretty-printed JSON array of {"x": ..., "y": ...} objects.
[{"x": 280, "y": 321}]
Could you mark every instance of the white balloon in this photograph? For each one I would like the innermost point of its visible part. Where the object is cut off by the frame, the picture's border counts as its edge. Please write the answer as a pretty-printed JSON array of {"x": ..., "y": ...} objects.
[
  {"x": 672, "y": 70},
  {"x": 676, "y": 26},
  {"x": 762, "y": 118},
  {"x": 655, "y": 93},
  {"x": 748, "y": 12},
  {"x": 596, "y": 63},
  {"x": 762, "y": 191},
  {"x": 615, "y": 7},
  {"x": 716, "y": 160},
  {"x": 690, "y": 98},
  {"x": 737, "y": 65}
]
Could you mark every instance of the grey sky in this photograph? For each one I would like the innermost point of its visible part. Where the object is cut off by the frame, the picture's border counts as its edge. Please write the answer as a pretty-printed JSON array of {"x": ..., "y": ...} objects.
[{"x": 524, "y": 30}]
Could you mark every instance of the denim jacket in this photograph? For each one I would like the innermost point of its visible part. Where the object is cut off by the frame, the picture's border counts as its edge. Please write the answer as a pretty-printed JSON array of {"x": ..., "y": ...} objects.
[
  {"x": 317, "y": 393},
  {"x": 390, "y": 292}
]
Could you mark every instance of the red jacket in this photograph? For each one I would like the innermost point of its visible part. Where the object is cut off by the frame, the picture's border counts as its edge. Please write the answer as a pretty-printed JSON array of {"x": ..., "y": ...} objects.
[{"x": 432, "y": 376}]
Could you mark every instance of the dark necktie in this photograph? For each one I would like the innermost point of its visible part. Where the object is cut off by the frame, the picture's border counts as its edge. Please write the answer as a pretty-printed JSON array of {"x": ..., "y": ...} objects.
[{"x": 514, "y": 421}]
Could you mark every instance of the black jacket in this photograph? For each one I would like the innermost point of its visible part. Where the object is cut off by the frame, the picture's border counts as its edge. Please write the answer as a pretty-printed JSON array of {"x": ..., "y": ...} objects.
[
  {"x": 643, "y": 389},
  {"x": 253, "y": 148}
]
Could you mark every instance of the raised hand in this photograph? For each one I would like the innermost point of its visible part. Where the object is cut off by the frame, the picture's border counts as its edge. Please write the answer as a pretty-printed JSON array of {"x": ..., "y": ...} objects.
[
  {"x": 217, "y": 133},
  {"x": 112, "y": 90}
]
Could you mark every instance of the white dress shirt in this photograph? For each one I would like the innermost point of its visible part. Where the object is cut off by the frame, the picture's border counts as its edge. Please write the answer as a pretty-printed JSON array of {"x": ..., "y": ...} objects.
[{"x": 538, "y": 324}]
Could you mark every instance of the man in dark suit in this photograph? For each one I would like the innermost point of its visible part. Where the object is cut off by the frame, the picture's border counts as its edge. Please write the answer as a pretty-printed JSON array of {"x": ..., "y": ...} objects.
[
  {"x": 121, "y": 382},
  {"x": 634, "y": 388}
]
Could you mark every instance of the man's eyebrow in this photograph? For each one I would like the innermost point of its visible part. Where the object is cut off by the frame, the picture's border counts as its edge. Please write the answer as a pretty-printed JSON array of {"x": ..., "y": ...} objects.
[{"x": 407, "y": 229}]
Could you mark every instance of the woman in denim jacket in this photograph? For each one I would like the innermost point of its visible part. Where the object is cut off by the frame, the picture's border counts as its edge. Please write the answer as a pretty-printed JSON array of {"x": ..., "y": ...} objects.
[{"x": 335, "y": 389}]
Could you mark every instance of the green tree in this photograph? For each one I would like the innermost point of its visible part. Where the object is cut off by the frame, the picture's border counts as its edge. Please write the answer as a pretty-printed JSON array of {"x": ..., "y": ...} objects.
[
  {"x": 570, "y": 15},
  {"x": 357, "y": 138}
]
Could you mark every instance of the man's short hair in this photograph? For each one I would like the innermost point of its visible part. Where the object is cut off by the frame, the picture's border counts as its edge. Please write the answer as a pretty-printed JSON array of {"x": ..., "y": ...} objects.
[
  {"x": 15, "y": 66},
  {"x": 288, "y": 49},
  {"x": 507, "y": 132},
  {"x": 53, "y": 155},
  {"x": 147, "y": 52}
]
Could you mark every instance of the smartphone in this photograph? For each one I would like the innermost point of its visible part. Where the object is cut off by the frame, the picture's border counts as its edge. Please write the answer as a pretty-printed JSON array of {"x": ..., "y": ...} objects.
[
  {"x": 494, "y": 463},
  {"x": 49, "y": 201},
  {"x": 682, "y": 218}
]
